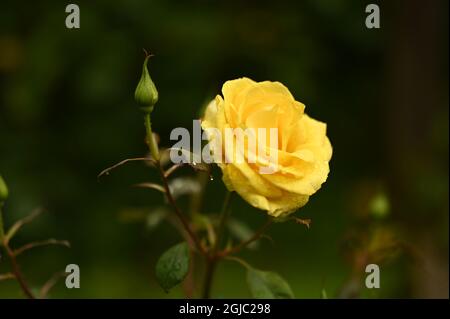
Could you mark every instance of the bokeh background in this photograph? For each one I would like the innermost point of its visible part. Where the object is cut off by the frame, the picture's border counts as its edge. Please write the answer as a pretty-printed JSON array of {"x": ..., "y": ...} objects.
[{"x": 67, "y": 112}]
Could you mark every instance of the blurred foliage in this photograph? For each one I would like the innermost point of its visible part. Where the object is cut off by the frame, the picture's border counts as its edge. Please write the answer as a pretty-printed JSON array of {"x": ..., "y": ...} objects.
[{"x": 67, "y": 112}]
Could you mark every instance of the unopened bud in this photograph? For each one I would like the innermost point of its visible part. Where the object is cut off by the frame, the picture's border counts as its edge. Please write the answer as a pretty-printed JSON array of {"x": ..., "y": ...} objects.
[
  {"x": 3, "y": 190},
  {"x": 146, "y": 94}
]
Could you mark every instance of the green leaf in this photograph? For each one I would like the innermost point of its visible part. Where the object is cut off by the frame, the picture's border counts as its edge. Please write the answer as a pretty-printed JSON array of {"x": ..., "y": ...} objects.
[
  {"x": 268, "y": 285},
  {"x": 173, "y": 266}
]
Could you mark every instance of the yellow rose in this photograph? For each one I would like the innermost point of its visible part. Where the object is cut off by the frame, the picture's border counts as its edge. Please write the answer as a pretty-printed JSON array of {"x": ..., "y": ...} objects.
[{"x": 303, "y": 149}]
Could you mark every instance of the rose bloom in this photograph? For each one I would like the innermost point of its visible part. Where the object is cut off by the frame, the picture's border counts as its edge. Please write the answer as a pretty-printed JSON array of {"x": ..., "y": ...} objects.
[{"x": 303, "y": 148}]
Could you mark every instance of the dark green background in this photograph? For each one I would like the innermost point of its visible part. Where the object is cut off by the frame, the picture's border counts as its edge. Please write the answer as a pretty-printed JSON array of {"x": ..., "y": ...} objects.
[{"x": 67, "y": 112}]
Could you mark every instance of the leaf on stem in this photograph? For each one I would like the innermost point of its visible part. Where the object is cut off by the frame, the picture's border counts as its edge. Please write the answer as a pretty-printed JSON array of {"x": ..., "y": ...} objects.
[
  {"x": 35, "y": 244},
  {"x": 268, "y": 285},
  {"x": 173, "y": 266}
]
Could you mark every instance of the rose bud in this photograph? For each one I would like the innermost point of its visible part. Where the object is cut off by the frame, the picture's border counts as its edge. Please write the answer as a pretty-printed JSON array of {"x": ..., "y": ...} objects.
[
  {"x": 3, "y": 190},
  {"x": 146, "y": 94}
]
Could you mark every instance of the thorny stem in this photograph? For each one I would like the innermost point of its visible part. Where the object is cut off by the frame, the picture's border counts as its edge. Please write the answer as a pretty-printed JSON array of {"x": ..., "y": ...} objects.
[
  {"x": 247, "y": 242},
  {"x": 12, "y": 256},
  {"x": 211, "y": 262},
  {"x": 155, "y": 154},
  {"x": 215, "y": 256},
  {"x": 197, "y": 198},
  {"x": 177, "y": 211},
  {"x": 17, "y": 273},
  {"x": 222, "y": 221},
  {"x": 212, "y": 257},
  {"x": 194, "y": 211}
]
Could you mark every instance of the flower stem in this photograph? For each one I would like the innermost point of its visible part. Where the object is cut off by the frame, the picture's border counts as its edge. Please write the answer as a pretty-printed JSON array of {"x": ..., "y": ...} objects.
[
  {"x": 12, "y": 256},
  {"x": 197, "y": 198},
  {"x": 212, "y": 257},
  {"x": 222, "y": 221},
  {"x": 247, "y": 242},
  {"x": 178, "y": 212},
  {"x": 211, "y": 263},
  {"x": 153, "y": 147},
  {"x": 149, "y": 137},
  {"x": 17, "y": 272}
]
